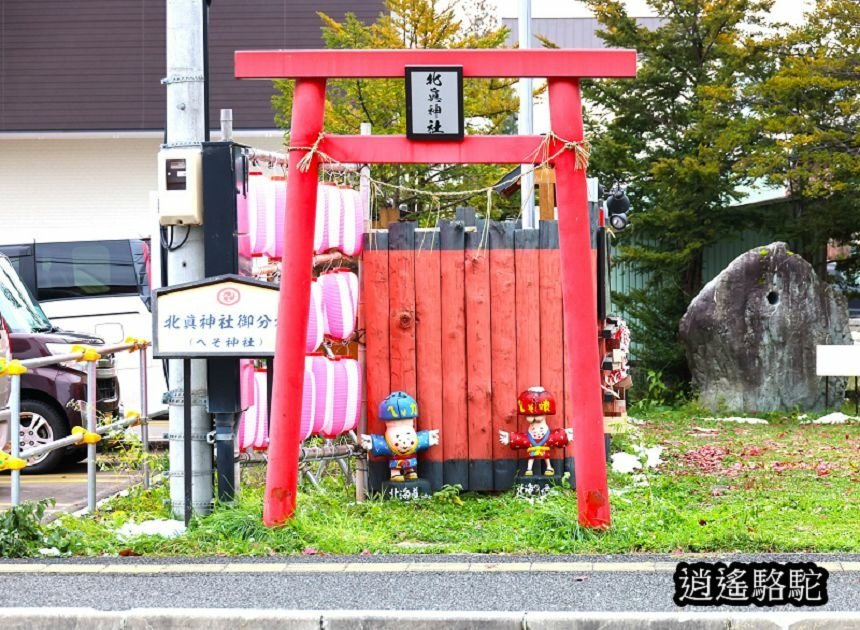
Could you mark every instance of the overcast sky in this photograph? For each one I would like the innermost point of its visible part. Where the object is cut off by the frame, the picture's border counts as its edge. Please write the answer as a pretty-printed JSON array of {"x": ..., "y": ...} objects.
[{"x": 787, "y": 10}]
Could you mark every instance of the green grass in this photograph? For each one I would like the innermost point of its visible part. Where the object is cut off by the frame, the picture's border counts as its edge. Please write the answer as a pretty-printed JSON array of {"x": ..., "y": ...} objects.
[{"x": 785, "y": 486}]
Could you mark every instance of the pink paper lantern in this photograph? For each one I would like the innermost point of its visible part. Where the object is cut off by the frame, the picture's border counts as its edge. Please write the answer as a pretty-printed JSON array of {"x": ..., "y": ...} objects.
[
  {"x": 240, "y": 432},
  {"x": 242, "y": 237},
  {"x": 254, "y": 423},
  {"x": 257, "y": 203},
  {"x": 334, "y": 208},
  {"x": 276, "y": 210},
  {"x": 340, "y": 302},
  {"x": 316, "y": 319},
  {"x": 347, "y": 396},
  {"x": 321, "y": 219},
  {"x": 323, "y": 374},
  {"x": 351, "y": 222},
  {"x": 261, "y": 435},
  {"x": 309, "y": 400},
  {"x": 248, "y": 419}
]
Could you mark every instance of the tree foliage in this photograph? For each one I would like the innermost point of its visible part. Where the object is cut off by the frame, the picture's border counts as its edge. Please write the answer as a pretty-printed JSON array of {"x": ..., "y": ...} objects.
[
  {"x": 810, "y": 112},
  {"x": 676, "y": 135},
  {"x": 489, "y": 103}
]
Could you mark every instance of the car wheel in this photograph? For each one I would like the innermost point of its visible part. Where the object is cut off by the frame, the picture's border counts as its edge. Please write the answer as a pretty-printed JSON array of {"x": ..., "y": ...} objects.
[{"x": 41, "y": 424}]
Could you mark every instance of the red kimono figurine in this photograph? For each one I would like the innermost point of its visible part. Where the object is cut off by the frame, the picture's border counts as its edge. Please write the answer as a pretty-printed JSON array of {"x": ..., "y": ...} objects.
[{"x": 536, "y": 404}]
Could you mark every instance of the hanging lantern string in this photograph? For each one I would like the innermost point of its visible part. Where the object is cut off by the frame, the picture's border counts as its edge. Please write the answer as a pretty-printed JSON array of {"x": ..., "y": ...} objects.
[
  {"x": 485, "y": 233},
  {"x": 541, "y": 157},
  {"x": 436, "y": 206}
]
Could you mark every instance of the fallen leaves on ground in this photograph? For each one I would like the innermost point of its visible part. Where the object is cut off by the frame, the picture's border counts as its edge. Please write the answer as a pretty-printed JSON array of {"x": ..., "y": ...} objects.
[{"x": 706, "y": 458}]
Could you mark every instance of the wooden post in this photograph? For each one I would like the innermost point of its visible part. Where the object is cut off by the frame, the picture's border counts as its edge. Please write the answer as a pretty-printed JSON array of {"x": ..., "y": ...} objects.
[
  {"x": 283, "y": 470},
  {"x": 528, "y": 317},
  {"x": 387, "y": 216},
  {"x": 551, "y": 341},
  {"x": 503, "y": 349},
  {"x": 478, "y": 356},
  {"x": 428, "y": 340},
  {"x": 401, "y": 324},
  {"x": 569, "y": 410},
  {"x": 545, "y": 180},
  {"x": 454, "y": 434},
  {"x": 375, "y": 290},
  {"x": 580, "y": 305}
]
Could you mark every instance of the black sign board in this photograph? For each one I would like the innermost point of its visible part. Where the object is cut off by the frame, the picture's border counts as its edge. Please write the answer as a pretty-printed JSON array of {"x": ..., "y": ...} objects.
[{"x": 434, "y": 103}]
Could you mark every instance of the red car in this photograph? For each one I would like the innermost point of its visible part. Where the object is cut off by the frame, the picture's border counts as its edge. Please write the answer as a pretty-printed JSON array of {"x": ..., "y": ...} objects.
[{"x": 51, "y": 395}]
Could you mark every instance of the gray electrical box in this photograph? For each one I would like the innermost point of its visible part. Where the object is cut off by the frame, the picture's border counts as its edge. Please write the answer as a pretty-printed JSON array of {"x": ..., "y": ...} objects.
[{"x": 180, "y": 186}]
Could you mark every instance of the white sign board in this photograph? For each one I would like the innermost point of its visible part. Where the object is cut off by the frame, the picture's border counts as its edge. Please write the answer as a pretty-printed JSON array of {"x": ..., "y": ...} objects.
[
  {"x": 227, "y": 316},
  {"x": 837, "y": 360},
  {"x": 434, "y": 102}
]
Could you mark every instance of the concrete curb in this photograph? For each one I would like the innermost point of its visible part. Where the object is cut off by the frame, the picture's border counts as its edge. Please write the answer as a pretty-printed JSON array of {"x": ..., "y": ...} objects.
[{"x": 233, "y": 619}]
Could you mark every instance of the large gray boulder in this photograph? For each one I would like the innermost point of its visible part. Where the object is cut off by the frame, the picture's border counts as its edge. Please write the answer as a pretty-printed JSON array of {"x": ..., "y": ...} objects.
[{"x": 751, "y": 334}]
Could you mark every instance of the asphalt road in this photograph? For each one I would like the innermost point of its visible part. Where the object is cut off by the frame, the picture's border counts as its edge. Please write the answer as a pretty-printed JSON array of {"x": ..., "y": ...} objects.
[
  {"x": 442, "y": 583},
  {"x": 68, "y": 486}
]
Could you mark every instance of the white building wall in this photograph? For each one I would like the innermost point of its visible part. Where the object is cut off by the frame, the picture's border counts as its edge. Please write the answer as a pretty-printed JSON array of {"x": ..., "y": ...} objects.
[
  {"x": 76, "y": 189},
  {"x": 72, "y": 187}
]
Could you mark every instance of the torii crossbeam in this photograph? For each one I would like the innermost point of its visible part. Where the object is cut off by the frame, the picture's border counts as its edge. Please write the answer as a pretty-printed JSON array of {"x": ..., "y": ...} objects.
[{"x": 563, "y": 69}]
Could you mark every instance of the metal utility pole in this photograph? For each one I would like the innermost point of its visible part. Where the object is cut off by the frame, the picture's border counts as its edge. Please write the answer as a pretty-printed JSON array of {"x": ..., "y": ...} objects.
[
  {"x": 186, "y": 127},
  {"x": 227, "y": 136},
  {"x": 526, "y": 119}
]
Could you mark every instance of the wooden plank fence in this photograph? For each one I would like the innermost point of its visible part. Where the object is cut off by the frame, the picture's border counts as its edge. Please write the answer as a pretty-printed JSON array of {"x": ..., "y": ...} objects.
[
  {"x": 472, "y": 316},
  {"x": 429, "y": 343}
]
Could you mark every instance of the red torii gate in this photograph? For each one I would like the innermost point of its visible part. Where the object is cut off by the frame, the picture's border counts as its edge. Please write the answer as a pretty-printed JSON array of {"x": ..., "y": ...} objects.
[{"x": 563, "y": 69}]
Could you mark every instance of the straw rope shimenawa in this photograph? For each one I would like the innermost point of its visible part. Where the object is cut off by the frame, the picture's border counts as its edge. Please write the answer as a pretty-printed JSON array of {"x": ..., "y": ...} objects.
[{"x": 581, "y": 149}]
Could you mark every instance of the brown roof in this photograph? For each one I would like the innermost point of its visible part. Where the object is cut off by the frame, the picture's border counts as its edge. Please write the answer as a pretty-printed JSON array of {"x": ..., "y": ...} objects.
[{"x": 97, "y": 65}]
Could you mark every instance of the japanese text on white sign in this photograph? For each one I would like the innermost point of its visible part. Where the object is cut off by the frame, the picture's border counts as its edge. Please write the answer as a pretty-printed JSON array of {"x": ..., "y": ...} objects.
[{"x": 221, "y": 319}]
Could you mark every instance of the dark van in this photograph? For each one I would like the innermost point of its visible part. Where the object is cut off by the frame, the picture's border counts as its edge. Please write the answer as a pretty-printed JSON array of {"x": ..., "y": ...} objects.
[
  {"x": 100, "y": 288},
  {"x": 50, "y": 396}
]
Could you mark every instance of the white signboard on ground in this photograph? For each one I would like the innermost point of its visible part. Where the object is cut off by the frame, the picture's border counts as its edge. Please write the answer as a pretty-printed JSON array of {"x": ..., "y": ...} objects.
[
  {"x": 837, "y": 360},
  {"x": 225, "y": 316}
]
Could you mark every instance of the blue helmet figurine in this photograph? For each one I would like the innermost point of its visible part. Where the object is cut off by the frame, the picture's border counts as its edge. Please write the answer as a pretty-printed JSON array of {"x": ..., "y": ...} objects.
[{"x": 398, "y": 406}]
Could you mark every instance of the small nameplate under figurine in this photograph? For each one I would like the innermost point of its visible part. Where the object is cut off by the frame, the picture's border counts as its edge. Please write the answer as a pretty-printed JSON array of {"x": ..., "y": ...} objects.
[
  {"x": 406, "y": 490},
  {"x": 538, "y": 441},
  {"x": 534, "y": 487},
  {"x": 400, "y": 444}
]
